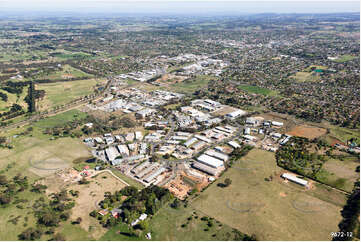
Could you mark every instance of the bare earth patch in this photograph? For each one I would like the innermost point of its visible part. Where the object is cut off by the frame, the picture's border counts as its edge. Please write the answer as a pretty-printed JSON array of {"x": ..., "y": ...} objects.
[{"x": 307, "y": 131}]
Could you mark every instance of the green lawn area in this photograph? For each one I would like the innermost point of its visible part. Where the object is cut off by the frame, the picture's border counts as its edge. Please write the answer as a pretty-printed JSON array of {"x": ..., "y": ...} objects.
[
  {"x": 191, "y": 85},
  {"x": 304, "y": 76},
  {"x": 114, "y": 235},
  {"x": 10, "y": 231},
  {"x": 74, "y": 232},
  {"x": 67, "y": 73},
  {"x": 70, "y": 55},
  {"x": 59, "y": 119},
  {"x": 272, "y": 210},
  {"x": 167, "y": 225},
  {"x": 345, "y": 58},
  {"x": 340, "y": 173},
  {"x": 344, "y": 134},
  {"x": 257, "y": 90},
  {"x": 60, "y": 93},
  {"x": 13, "y": 98}
]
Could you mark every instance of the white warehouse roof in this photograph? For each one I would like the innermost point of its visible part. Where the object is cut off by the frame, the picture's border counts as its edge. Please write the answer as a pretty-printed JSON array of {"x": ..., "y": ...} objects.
[
  {"x": 295, "y": 179},
  {"x": 210, "y": 161},
  {"x": 217, "y": 155}
]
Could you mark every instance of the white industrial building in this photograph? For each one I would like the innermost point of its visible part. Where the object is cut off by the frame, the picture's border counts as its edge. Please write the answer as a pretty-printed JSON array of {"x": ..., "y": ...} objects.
[
  {"x": 275, "y": 123},
  {"x": 235, "y": 114},
  {"x": 234, "y": 144},
  {"x": 295, "y": 179},
  {"x": 123, "y": 150},
  {"x": 217, "y": 155},
  {"x": 111, "y": 153},
  {"x": 210, "y": 161}
]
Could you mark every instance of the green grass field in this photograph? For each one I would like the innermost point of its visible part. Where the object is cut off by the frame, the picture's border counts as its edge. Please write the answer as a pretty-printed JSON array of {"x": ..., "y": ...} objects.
[
  {"x": 272, "y": 210},
  {"x": 257, "y": 90},
  {"x": 13, "y": 98},
  {"x": 191, "y": 85},
  {"x": 70, "y": 55},
  {"x": 10, "y": 231},
  {"x": 344, "y": 134},
  {"x": 114, "y": 235},
  {"x": 345, "y": 58},
  {"x": 340, "y": 174},
  {"x": 61, "y": 118},
  {"x": 60, "y": 93},
  {"x": 167, "y": 225},
  {"x": 67, "y": 73}
]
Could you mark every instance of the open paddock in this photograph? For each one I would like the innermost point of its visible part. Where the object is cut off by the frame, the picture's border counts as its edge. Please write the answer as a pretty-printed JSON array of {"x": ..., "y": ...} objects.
[
  {"x": 307, "y": 131},
  {"x": 273, "y": 209}
]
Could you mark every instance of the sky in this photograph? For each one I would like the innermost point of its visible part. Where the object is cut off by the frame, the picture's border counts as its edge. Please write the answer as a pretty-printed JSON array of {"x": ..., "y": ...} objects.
[{"x": 178, "y": 6}]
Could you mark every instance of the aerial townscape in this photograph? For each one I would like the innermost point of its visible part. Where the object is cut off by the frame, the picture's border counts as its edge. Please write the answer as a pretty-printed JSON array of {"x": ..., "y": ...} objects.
[{"x": 180, "y": 127}]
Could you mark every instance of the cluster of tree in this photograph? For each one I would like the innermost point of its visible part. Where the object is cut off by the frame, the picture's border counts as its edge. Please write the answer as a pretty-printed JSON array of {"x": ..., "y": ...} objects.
[
  {"x": 226, "y": 183},
  {"x": 14, "y": 87},
  {"x": 3, "y": 97},
  {"x": 11, "y": 187},
  {"x": 350, "y": 223},
  {"x": 107, "y": 124},
  {"x": 30, "y": 98},
  {"x": 149, "y": 201},
  {"x": 49, "y": 215},
  {"x": 238, "y": 153},
  {"x": 296, "y": 156},
  {"x": 15, "y": 110}
]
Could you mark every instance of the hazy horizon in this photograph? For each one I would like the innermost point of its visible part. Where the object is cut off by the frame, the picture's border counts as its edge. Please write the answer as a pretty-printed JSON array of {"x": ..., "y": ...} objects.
[{"x": 175, "y": 7}]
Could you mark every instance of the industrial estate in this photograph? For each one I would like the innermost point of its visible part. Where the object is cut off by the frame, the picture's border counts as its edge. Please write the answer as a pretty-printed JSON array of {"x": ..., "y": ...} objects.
[{"x": 180, "y": 127}]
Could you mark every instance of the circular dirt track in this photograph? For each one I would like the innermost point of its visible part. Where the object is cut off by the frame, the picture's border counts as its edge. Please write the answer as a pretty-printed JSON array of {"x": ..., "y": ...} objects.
[
  {"x": 304, "y": 205},
  {"x": 49, "y": 164}
]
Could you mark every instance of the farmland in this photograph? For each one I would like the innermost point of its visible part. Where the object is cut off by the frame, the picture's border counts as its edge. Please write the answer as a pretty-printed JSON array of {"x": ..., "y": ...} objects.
[
  {"x": 340, "y": 173},
  {"x": 66, "y": 72},
  {"x": 60, "y": 93},
  {"x": 59, "y": 119},
  {"x": 190, "y": 85},
  {"x": 167, "y": 225},
  {"x": 269, "y": 207}
]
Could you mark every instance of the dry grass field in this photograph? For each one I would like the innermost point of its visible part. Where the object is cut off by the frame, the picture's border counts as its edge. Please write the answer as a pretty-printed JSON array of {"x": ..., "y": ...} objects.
[
  {"x": 272, "y": 210},
  {"x": 89, "y": 195}
]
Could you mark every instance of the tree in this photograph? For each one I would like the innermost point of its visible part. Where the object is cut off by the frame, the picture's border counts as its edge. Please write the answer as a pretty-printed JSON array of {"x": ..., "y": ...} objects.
[
  {"x": 176, "y": 203},
  {"x": 227, "y": 182},
  {"x": 4, "y": 199},
  {"x": 144, "y": 225},
  {"x": 48, "y": 218},
  {"x": 30, "y": 234}
]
